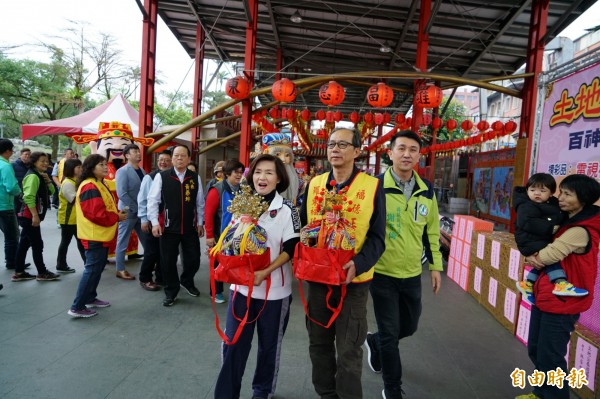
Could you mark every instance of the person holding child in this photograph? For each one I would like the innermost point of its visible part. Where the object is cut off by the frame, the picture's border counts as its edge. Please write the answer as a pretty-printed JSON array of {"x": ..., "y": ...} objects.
[
  {"x": 575, "y": 246},
  {"x": 538, "y": 218},
  {"x": 267, "y": 177}
]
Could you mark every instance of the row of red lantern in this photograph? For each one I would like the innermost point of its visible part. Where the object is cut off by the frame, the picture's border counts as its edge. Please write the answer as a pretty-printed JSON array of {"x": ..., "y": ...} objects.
[
  {"x": 332, "y": 93},
  {"x": 478, "y": 139},
  {"x": 467, "y": 125}
]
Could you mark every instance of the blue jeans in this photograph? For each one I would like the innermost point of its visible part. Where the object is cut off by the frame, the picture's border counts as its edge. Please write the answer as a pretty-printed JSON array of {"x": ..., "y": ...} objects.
[
  {"x": 95, "y": 259},
  {"x": 123, "y": 236},
  {"x": 271, "y": 326},
  {"x": 397, "y": 306},
  {"x": 10, "y": 229},
  {"x": 549, "y": 336}
]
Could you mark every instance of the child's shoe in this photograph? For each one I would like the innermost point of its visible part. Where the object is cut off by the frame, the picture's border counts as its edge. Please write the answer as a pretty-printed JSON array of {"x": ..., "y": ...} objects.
[
  {"x": 564, "y": 288},
  {"x": 526, "y": 289}
]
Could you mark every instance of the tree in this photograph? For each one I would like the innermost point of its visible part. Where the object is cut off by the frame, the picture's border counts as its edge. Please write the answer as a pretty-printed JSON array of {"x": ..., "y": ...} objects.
[
  {"x": 178, "y": 111},
  {"x": 80, "y": 64}
]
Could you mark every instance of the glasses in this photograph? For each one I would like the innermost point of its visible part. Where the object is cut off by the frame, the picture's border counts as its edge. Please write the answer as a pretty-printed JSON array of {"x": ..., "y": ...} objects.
[{"x": 342, "y": 145}]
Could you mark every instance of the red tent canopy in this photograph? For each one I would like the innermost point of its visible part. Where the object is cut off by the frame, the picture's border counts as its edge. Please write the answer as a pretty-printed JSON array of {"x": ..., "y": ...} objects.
[{"x": 115, "y": 109}]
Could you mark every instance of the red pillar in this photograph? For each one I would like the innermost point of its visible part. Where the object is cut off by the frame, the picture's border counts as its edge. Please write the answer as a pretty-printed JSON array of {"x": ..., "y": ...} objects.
[
  {"x": 535, "y": 55},
  {"x": 148, "y": 74},
  {"x": 421, "y": 59},
  {"x": 378, "y": 157},
  {"x": 198, "y": 78},
  {"x": 250, "y": 58}
]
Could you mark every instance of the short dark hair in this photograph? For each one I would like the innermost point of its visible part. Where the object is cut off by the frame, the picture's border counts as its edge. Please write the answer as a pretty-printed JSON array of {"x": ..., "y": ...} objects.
[
  {"x": 24, "y": 149},
  {"x": 67, "y": 149},
  {"x": 586, "y": 188},
  {"x": 130, "y": 147},
  {"x": 88, "y": 167},
  {"x": 35, "y": 156},
  {"x": 231, "y": 166},
  {"x": 69, "y": 168},
  {"x": 543, "y": 180},
  {"x": 356, "y": 138},
  {"x": 6, "y": 145},
  {"x": 189, "y": 152},
  {"x": 409, "y": 134},
  {"x": 166, "y": 152},
  {"x": 284, "y": 180}
]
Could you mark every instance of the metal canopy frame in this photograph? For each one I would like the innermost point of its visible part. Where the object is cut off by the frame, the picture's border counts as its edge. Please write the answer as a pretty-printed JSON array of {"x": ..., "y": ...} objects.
[{"x": 475, "y": 39}]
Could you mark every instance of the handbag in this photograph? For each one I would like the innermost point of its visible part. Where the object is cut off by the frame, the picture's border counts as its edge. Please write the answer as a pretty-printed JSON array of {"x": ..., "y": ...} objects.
[{"x": 324, "y": 266}]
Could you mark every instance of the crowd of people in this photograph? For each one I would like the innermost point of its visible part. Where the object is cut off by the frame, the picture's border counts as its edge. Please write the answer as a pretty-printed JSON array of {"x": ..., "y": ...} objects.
[{"x": 395, "y": 216}]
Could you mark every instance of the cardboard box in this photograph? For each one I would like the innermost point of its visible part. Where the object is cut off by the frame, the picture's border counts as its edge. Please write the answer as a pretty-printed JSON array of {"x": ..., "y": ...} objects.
[
  {"x": 522, "y": 329},
  {"x": 501, "y": 301},
  {"x": 475, "y": 282},
  {"x": 584, "y": 354}
]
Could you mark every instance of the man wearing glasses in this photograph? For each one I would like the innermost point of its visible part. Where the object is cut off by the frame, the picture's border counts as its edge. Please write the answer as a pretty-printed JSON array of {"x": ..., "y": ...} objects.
[
  {"x": 341, "y": 378},
  {"x": 9, "y": 188}
]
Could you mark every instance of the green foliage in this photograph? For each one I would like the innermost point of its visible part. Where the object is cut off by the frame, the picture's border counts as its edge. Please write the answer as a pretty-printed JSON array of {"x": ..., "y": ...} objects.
[
  {"x": 178, "y": 111},
  {"x": 457, "y": 111}
]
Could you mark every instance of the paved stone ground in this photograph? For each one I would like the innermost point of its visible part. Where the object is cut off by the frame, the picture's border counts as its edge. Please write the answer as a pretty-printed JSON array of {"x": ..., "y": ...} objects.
[{"x": 139, "y": 349}]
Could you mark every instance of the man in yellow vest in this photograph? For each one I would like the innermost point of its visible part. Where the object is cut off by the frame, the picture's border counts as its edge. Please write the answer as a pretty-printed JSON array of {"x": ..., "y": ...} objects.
[
  {"x": 412, "y": 228},
  {"x": 341, "y": 377}
]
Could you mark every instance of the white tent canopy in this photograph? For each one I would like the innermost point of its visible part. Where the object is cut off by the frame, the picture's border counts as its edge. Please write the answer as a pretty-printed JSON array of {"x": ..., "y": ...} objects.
[{"x": 115, "y": 109}]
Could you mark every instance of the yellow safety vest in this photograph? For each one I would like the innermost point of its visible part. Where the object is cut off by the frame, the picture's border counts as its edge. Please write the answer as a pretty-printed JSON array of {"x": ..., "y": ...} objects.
[
  {"x": 61, "y": 169},
  {"x": 361, "y": 192},
  {"x": 86, "y": 229},
  {"x": 66, "y": 210}
]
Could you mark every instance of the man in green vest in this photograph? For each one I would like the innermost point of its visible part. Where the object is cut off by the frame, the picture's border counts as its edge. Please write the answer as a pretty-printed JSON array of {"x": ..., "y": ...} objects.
[
  {"x": 412, "y": 226},
  {"x": 365, "y": 208}
]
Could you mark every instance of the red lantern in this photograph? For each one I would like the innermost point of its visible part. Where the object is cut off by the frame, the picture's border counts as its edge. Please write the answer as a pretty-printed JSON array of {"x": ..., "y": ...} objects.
[
  {"x": 510, "y": 127},
  {"x": 238, "y": 87},
  {"x": 284, "y": 90},
  {"x": 331, "y": 94},
  {"x": 387, "y": 118},
  {"x": 329, "y": 117},
  {"x": 466, "y": 125},
  {"x": 451, "y": 124},
  {"x": 470, "y": 141},
  {"x": 274, "y": 113},
  {"x": 378, "y": 118},
  {"x": 437, "y": 123},
  {"x": 305, "y": 115},
  {"x": 429, "y": 97},
  {"x": 237, "y": 110},
  {"x": 426, "y": 119},
  {"x": 380, "y": 95},
  {"x": 354, "y": 117},
  {"x": 408, "y": 123},
  {"x": 400, "y": 119},
  {"x": 368, "y": 117},
  {"x": 291, "y": 114},
  {"x": 482, "y": 126},
  {"x": 497, "y": 126},
  {"x": 338, "y": 116},
  {"x": 320, "y": 115}
]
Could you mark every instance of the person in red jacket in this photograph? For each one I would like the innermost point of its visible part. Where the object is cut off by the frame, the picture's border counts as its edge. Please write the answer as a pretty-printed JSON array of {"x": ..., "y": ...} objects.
[{"x": 575, "y": 246}]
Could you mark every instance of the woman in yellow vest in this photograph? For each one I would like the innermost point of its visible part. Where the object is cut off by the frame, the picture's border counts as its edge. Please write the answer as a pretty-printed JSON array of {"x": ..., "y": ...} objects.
[
  {"x": 66, "y": 215},
  {"x": 97, "y": 218}
]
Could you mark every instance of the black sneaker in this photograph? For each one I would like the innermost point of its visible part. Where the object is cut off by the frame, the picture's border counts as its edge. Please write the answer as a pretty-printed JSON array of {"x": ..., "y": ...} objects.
[
  {"x": 373, "y": 358},
  {"x": 22, "y": 276},
  {"x": 65, "y": 269},
  {"x": 168, "y": 302},
  {"x": 48, "y": 276},
  {"x": 193, "y": 291}
]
